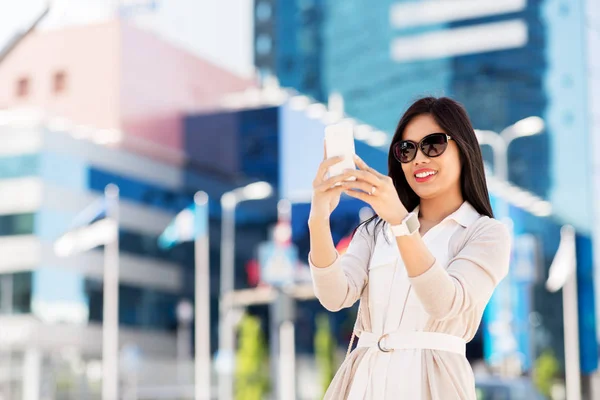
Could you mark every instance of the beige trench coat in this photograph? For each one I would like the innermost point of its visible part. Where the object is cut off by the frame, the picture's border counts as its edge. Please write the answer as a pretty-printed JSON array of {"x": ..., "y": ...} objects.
[{"x": 451, "y": 297}]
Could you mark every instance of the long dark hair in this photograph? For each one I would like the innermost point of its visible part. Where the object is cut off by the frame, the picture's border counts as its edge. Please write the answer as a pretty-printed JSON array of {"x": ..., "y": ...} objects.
[{"x": 452, "y": 117}]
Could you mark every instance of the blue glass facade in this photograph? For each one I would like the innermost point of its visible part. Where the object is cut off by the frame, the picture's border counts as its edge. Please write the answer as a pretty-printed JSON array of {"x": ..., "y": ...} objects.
[
  {"x": 140, "y": 192},
  {"x": 252, "y": 153},
  {"x": 497, "y": 88},
  {"x": 502, "y": 87},
  {"x": 593, "y": 90},
  {"x": 546, "y": 75},
  {"x": 140, "y": 306},
  {"x": 545, "y": 328},
  {"x": 239, "y": 147},
  {"x": 289, "y": 43}
]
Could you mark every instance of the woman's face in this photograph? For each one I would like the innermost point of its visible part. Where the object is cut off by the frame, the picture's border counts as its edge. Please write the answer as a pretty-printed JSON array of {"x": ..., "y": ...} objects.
[{"x": 436, "y": 176}]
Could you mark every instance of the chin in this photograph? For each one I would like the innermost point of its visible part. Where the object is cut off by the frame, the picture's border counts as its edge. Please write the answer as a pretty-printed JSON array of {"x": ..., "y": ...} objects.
[
  {"x": 433, "y": 191},
  {"x": 427, "y": 194}
]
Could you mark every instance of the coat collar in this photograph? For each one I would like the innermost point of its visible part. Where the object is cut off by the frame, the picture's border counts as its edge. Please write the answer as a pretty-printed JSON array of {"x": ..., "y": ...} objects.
[{"x": 465, "y": 215}]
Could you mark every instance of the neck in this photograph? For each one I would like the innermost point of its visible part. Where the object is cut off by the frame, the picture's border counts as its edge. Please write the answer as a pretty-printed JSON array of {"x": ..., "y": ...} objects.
[{"x": 436, "y": 209}]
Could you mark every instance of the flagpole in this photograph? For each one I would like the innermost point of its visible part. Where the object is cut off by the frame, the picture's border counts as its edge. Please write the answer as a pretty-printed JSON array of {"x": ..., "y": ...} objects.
[
  {"x": 110, "y": 323},
  {"x": 202, "y": 299}
]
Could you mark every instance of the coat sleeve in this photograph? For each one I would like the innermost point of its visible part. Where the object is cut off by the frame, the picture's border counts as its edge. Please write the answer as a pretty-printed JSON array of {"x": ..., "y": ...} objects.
[
  {"x": 469, "y": 279},
  {"x": 340, "y": 285}
]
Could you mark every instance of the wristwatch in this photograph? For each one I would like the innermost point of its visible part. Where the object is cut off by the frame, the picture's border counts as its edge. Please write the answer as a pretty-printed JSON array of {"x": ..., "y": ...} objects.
[{"x": 410, "y": 224}]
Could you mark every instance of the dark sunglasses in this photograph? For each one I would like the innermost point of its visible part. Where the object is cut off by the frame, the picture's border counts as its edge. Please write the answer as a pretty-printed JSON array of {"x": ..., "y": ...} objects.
[{"x": 432, "y": 145}]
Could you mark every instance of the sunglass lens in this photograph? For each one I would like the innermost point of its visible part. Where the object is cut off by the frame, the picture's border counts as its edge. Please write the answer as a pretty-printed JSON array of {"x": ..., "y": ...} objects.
[
  {"x": 405, "y": 151},
  {"x": 434, "y": 145}
]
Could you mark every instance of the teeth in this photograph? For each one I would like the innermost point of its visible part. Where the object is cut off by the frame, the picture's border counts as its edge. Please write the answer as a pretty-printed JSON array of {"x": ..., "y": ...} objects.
[{"x": 425, "y": 174}]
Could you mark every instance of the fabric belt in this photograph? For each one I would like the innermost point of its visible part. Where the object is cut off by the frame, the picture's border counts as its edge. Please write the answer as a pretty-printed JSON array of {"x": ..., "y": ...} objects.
[{"x": 413, "y": 340}]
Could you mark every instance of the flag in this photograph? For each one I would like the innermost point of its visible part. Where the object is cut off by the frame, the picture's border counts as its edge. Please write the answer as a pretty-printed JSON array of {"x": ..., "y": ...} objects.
[
  {"x": 187, "y": 224},
  {"x": 92, "y": 213},
  {"x": 89, "y": 229},
  {"x": 565, "y": 261}
]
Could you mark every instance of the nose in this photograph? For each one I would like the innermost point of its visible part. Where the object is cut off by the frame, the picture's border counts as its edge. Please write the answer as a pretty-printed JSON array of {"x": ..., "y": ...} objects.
[{"x": 420, "y": 158}]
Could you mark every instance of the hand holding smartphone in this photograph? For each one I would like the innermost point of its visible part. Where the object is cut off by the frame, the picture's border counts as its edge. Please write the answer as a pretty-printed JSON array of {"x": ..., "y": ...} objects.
[{"x": 339, "y": 141}]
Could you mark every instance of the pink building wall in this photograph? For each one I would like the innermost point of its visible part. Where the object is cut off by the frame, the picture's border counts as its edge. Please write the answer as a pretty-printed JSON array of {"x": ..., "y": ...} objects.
[
  {"x": 86, "y": 56},
  {"x": 160, "y": 83},
  {"x": 117, "y": 76}
]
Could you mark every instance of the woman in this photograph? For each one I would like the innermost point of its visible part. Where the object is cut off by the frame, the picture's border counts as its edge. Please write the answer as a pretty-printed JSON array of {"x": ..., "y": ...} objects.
[{"x": 424, "y": 267}]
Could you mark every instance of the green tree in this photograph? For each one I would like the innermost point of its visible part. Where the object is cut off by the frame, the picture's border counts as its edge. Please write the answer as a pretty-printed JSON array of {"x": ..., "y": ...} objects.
[
  {"x": 251, "y": 368},
  {"x": 325, "y": 350},
  {"x": 545, "y": 371}
]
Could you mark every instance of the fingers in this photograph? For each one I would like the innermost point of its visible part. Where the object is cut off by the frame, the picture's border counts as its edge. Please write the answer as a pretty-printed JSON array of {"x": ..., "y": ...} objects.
[
  {"x": 337, "y": 191},
  {"x": 363, "y": 166},
  {"x": 328, "y": 190},
  {"x": 324, "y": 166},
  {"x": 364, "y": 173},
  {"x": 360, "y": 163},
  {"x": 329, "y": 162},
  {"x": 358, "y": 185},
  {"x": 366, "y": 176},
  {"x": 359, "y": 195},
  {"x": 331, "y": 182}
]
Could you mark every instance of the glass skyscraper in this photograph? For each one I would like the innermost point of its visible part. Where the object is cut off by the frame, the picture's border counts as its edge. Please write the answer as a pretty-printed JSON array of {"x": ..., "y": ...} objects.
[
  {"x": 505, "y": 61},
  {"x": 289, "y": 43}
]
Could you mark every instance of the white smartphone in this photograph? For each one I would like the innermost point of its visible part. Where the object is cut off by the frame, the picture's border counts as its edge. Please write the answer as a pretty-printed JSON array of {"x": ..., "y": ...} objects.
[{"x": 339, "y": 141}]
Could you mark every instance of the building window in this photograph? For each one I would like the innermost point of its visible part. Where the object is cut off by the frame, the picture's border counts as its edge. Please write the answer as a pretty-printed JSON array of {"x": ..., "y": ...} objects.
[
  {"x": 139, "y": 191},
  {"x": 23, "y": 87},
  {"x": 18, "y": 288},
  {"x": 138, "y": 306},
  {"x": 19, "y": 166},
  {"x": 263, "y": 44},
  {"x": 263, "y": 11},
  {"x": 17, "y": 224},
  {"x": 59, "y": 82}
]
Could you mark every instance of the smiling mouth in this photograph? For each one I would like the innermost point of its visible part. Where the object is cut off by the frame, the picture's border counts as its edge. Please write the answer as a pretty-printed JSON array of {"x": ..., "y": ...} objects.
[{"x": 425, "y": 176}]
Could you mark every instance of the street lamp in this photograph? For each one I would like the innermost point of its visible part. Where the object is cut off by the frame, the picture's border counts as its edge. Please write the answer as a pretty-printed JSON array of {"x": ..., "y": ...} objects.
[
  {"x": 104, "y": 232},
  {"x": 499, "y": 142},
  {"x": 6, "y": 306},
  {"x": 563, "y": 275},
  {"x": 229, "y": 202},
  {"x": 185, "y": 317}
]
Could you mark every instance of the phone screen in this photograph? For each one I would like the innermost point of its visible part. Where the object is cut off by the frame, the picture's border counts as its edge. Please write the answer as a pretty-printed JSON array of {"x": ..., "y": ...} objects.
[{"x": 339, "y": 141}]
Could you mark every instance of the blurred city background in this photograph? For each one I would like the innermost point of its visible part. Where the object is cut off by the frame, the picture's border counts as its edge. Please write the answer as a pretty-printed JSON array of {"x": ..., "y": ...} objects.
[{"x": 156, "y": 160}]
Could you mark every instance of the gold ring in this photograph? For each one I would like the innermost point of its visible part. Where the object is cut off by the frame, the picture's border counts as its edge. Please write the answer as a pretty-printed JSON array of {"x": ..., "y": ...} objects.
[{"x": 383, "y": 349}]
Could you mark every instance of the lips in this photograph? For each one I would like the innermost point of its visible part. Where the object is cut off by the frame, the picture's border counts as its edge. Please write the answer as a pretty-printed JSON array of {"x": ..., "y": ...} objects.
[{"x": 424, "y": 175}]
